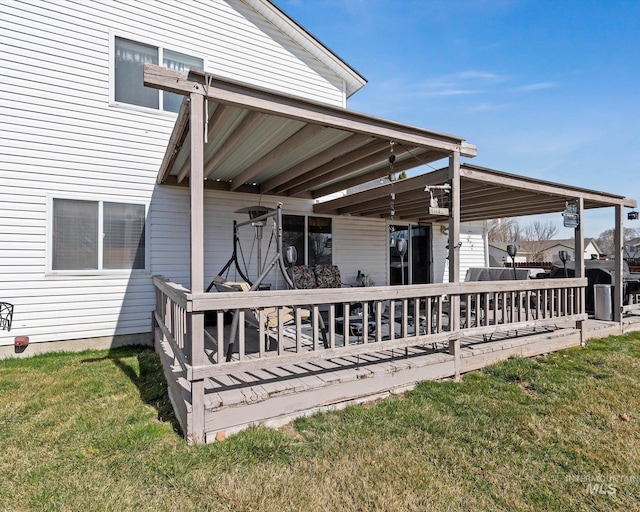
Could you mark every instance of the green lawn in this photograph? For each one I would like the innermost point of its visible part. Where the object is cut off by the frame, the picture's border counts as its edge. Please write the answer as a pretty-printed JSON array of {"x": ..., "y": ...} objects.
[{"x": 95, "y": 431}]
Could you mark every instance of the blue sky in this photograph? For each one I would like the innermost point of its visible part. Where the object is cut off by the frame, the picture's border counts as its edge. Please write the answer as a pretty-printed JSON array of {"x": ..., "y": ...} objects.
[{"x": 547, "y": 89}]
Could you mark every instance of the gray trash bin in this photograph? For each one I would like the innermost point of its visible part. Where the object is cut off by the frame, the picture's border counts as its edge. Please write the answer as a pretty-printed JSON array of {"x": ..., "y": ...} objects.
[{"x": 602, "y": 301}]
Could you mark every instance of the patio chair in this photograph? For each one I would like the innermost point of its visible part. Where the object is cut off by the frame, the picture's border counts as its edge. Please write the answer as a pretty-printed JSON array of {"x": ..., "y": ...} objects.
[{"x": 6, "y": 315}]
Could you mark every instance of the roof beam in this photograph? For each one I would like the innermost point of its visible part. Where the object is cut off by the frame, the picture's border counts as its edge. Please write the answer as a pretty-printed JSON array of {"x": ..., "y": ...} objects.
[
  {"x": 332, "y": 169},
  {"x": 399, "y": 187},
  {"x": 178, "y": 136},
  {"x": 372, "y": 205},
  {"x": 497, "y": 213},
  {"x": 351, "y": 143},
  {"x": 268, "y": 102},
  {"x": 380, "y": 172},
  {"x": 379, "y": 159}
]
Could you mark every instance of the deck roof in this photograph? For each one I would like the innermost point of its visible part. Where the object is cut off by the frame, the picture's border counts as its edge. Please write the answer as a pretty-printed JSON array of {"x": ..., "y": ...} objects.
[
  {"x": 268, "y": 143},
  {"x": 263, "y": 142},
  {"x": 484, "y": 194}
]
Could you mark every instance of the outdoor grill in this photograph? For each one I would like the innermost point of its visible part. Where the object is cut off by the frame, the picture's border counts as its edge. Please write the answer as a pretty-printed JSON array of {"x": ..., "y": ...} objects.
[{"x": 598, "y": 272}]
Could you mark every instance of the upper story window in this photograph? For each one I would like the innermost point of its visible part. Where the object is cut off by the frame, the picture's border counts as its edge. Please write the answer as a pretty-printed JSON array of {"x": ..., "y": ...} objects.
[
  {"x": 97, "y": 235},
  {"x": 130, "y": 58}
]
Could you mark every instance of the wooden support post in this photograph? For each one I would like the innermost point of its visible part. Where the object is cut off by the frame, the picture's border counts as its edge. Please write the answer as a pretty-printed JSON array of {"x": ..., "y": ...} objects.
[
  {"x": 579, "y": 267},
  {"x": 454, "y": 259},
  {"x": 197, "y": 357},
  {"x": 619, "y": 265}
]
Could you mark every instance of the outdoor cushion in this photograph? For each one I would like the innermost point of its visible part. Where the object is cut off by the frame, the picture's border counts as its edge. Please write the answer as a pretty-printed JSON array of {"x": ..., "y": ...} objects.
[
  {"x": 327, "y": 276},
  {"x": 304, "y": 277},
  {"x": 288, "y": 315}
]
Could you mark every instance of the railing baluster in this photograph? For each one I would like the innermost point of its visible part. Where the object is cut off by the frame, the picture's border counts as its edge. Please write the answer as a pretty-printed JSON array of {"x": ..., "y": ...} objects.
[
  {"x": 392, "y": 320},
  {"x": 220, "y": 331},
  {"x": 262, "y": 335},
  {"x": 365, "y": 322},
  {"x": 378, "y": 310},
  {"x": 315, "y": 322},
  {"x": 299, "y": 333},
  {"x": 332, "y": 326},
  {"x": 241, "y": 338},
  {"x": 405, "y": 318},
  {"x": 280, "y": 315},
  {"x": 485, "y": 310},
  {"x": 347, "y": 327}
]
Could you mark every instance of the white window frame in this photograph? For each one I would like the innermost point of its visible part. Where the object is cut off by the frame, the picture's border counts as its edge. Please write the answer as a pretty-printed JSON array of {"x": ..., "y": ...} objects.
[
  {"x": 99, "y": 271},
  {"x": 151, "y": 42}
]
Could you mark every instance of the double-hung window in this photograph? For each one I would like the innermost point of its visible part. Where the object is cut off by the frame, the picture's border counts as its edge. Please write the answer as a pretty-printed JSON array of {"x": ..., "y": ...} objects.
[
  {"x": 311, "y": 236},
  {"x": 129, "y": 60},
  {"x": 97, "y": 235}
]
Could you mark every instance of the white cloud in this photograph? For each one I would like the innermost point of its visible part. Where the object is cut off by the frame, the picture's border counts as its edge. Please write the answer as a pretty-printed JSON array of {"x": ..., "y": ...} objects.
[
  {"x": 448, "y": 92},
  {"x": 483, "y": 75},
  {"x": 536, "y": 86}
]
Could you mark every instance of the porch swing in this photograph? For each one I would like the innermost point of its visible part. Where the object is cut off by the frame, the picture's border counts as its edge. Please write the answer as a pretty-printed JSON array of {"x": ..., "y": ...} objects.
[
  {"x": 268, "y": 317},
  {"x": 258, "y": 217}
]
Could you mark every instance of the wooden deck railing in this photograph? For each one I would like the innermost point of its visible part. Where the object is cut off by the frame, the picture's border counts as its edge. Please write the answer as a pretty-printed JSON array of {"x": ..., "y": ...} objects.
[
  {"x": 273, "y": 331},
  {"x": 351, "y": 321}
]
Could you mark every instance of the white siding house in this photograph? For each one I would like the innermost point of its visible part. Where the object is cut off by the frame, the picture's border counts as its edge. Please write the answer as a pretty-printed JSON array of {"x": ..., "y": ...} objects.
[{"x": 68, "y": 140}]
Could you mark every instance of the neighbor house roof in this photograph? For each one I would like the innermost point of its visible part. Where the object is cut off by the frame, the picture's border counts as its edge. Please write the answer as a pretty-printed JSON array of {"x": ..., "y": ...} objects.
[
  {"x": 502, "y": 246},
  {"x": 569, "y": 243}
]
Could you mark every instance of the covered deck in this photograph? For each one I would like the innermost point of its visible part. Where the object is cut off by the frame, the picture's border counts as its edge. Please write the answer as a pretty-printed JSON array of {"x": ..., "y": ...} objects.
[{"x": 358, "y": 343}]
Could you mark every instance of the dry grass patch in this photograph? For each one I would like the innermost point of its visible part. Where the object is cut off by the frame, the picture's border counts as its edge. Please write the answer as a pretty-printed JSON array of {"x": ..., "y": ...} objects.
[{"x": 94, "y": 431}]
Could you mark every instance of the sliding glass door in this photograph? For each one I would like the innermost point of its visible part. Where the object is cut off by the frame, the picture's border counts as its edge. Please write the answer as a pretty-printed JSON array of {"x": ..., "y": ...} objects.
[{"x": 413, "y": 264}]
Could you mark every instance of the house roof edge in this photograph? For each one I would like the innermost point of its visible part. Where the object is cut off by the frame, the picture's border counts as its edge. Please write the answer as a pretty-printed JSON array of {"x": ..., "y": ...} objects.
[{"x": 281, "y": 20}]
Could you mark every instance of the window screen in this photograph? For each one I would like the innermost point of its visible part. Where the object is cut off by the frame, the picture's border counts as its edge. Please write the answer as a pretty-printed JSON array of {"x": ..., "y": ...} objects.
[
  {"x": 123, "y": 236},
  {"x": 75, "y": 235},
  {"x": 130, "y": 58}
]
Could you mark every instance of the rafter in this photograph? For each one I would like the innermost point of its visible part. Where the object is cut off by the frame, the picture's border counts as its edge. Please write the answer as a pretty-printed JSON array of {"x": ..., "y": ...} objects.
[
  {"x": 335, "y": 167},
  {"x": 349, "y": 144},
  {"x": 379, "y": 172}
]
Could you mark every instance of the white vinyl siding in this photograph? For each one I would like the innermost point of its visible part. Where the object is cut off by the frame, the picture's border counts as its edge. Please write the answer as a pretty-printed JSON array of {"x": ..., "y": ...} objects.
[
  {"x": 60, "y": 137},
  {"x": 472, "y": 251},
  {"x": 360, "y": 243}
]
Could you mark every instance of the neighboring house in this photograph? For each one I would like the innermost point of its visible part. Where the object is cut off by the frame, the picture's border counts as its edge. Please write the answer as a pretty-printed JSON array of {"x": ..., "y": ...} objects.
[
  {"x": 591, "y": 249},
  {"x": 498, "y": 251},
  {"x": 632, "y": 248},
  {"x": 84, "y": 226},
  {"x": 499, "y": 256}
]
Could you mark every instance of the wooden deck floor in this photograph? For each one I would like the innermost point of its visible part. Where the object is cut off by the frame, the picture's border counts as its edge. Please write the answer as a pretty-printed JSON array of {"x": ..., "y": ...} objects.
[{"x": 279, "y": 394}]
